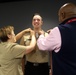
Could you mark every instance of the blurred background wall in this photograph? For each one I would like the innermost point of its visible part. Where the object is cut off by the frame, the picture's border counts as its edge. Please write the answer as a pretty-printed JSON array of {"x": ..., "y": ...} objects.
[{"x": 20, "y": 13}]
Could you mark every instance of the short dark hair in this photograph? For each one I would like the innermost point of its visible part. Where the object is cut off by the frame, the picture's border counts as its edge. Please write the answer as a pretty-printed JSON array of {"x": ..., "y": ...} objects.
[{"x": 37, "y": 14}]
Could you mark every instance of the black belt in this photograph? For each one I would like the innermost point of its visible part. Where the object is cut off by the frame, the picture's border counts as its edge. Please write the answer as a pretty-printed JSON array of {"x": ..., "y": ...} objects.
[{"x": 36, "y": 64}]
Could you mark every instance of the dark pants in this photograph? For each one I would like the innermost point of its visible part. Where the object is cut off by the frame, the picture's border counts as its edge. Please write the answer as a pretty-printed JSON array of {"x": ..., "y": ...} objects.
[{"x": 36, "y": 68}]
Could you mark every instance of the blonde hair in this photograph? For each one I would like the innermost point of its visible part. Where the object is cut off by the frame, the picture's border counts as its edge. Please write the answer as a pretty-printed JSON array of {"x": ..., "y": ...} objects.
[{"x": 4, "y": 31}]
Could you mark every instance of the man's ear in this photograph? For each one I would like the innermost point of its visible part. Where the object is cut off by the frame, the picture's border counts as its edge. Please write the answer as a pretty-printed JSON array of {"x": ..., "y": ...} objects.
[
  {"x": 63, "y": 15},
  {"x": 42, "y": 22}
]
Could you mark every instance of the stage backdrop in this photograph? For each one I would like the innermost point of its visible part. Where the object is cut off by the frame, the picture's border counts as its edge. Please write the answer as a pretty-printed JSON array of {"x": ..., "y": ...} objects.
[{"x": 20, "y": 13}]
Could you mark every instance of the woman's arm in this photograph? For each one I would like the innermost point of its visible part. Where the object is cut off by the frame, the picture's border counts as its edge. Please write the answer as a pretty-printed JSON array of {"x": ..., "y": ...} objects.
[
  {"x": 20, "y": 34},
  {"x": 32, "y": 43}
]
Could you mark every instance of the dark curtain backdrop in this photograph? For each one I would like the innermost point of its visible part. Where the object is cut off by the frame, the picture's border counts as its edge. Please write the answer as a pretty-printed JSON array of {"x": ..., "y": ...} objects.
[{"x": 20, "y": 13}]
